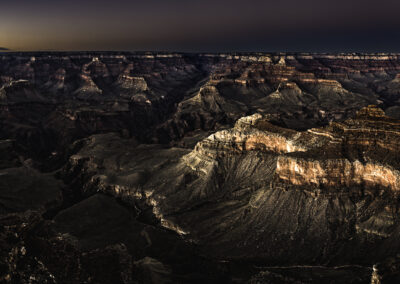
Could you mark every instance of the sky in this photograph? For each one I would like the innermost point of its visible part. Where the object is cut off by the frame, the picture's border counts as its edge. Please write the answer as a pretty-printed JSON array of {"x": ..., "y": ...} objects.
[{"x": 201, "y": 25}]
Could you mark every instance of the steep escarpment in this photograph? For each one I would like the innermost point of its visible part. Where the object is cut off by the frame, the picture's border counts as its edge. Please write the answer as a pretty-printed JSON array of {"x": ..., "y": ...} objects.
[
  {"x": 261, "y": 192},
  {"x": 67, "y": 97},
  {"x": 210, "y": 168},
  {"x": 360, "y": 151},
  {"x": 173, "y": 96}
]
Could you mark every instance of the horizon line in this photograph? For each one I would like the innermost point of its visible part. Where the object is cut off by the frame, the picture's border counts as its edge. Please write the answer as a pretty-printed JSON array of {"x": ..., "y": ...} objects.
[{"x": 195, "y": 52}]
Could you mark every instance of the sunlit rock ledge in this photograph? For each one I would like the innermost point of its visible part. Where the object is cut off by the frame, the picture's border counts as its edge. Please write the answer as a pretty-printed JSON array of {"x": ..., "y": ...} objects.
[
  {"x": 339, "y": 155},
  {"x": 237, "y": 179}
]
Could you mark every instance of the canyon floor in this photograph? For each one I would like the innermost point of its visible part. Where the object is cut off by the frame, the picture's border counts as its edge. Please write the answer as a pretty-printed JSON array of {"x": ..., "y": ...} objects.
[{"x": 120, "y": 167}]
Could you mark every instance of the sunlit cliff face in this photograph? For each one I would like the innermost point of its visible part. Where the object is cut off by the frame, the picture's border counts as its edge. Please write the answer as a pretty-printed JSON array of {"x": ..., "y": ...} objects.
[
  {"x": 256, "y": 172},
  {"x": 159, "y": 151},
  {"x": 366, "y": 133},
  {"x": 337, "y": 173},
  {"x": 318, "y": 157}
]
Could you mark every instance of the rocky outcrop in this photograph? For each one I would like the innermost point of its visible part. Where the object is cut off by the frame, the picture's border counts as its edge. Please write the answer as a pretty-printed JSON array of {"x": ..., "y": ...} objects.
[
  {"x": 258, "y": 190},
  {"x": 20, "y": 91},
  {"x": 320, "y": 157},
  {"x": 336, "y": 173},
  {"x": 173, "y": 98},
  {"x": 387, "y": 271},
  {"x": 198, "y": 167},
  {"x": 32, "y": 252},
  {"x": 249, "y": 134}
]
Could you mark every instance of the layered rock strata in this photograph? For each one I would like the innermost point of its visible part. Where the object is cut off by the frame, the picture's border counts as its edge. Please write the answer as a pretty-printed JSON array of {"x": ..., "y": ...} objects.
[
  {"x": 258, "y": 190},
  {"x": 198, "y": 167}
]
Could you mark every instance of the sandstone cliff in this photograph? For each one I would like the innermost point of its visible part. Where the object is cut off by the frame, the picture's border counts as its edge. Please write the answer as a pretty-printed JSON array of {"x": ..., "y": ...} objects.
[
  {"x": 261, "y": 191},
  {"x": 199, "y": 167}
]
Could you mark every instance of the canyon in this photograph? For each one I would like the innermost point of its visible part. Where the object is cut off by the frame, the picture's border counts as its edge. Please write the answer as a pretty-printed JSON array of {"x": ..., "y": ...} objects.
[{"x": 144, "y": 167}]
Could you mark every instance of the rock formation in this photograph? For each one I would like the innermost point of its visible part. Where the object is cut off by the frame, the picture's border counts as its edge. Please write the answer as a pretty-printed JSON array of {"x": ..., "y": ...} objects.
[{"x": 199, "y": 168}]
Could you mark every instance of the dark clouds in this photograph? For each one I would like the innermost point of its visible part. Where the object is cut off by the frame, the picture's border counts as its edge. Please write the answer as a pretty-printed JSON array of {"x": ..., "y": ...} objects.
[{"x": 207, "y": 25}]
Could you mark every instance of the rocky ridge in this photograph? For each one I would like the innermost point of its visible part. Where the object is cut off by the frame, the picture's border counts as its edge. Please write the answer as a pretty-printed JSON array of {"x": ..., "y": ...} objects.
[
  {"x": 254, "y": 167},
  {"x": 238, "y": 194}
]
